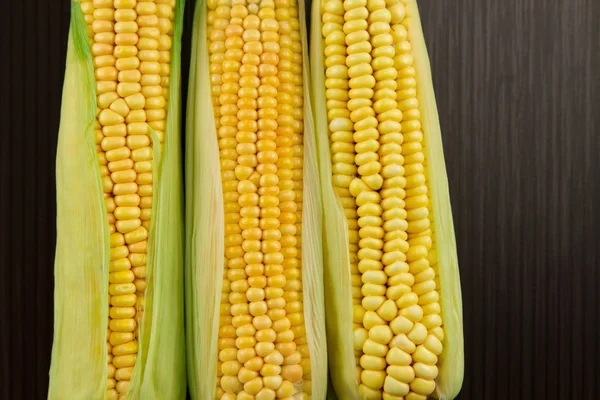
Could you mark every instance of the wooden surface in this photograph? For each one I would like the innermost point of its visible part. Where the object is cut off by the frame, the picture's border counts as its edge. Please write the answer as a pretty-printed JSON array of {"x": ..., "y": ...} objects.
[{"x": 517, "y": 84}]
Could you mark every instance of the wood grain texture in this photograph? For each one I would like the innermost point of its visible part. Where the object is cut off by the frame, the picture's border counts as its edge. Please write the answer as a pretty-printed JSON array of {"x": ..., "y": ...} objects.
[
  {"x": 517, "y": 85},
  {"x": 517, "y": 89}
]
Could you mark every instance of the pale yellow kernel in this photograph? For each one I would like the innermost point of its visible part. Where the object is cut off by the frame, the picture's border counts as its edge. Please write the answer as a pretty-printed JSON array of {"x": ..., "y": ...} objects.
[
  {"x": 231, "y": 384},
  {"x": 125, "y": 89},
  {"x": 142, "y": 166},
  {"x": 156, "y": 102},
  {"x": 150, "y": 68},
  {"x": 122, "y": 325},
  {"x": 418, "y": 333},
  {"x": 381, "y": 334},
  {"x": 124, "y": 373},
  {"x": 395, "y": 387},
  {"x": 401, "y": 324},
  {"x": 372, "y": 363},
  {"x": 111, "y": 143},
  {"x": 373, "y": 299},
  {"x": 121, "y": 264},
  {"x": 142, "y": 154},
  {"x": 425, "y": 371},
  {"x": 127, "y": 200},
  {"x": 125, "y": 300},
  {"x": 372, "y": 348},
  {"x": 115, "y": 130},
  {"x": 128, "y": 225},
  {"x": 137, "y": 141},
  {"x": 109, "y": 117},
  {"x": 127, "y": 63},
  {"x": 368, "y": 393},
  {"x": 423, "y": 355},
  {"x": 105, "y": 14},
  {"x": 422, "y": 386},
  {"x": 432, "y": 321},
  {"x": 403, "y": 342},
  {"x": 102, "y": 49},
  {"x": 137, "y": 259},
  {"x": 125, "y": 348},
  {"x": 147, "y": 20},
  {"x": 156, "y": 115},
  {"x": 121, "y": 277},
  {"x": 116, "y": 289},
  {"x": 137, "y": 128},
  {"x": 413, "y": 312},
  {"x": 105, "y": 99},
  {"x": 135, "y": 101},
  {"x": 388, "y": 310},
  {"x": 145, "y": 8},
  {"x": 119, "y": 4},
  {"x": 127, "y": 212},
  {"x": 122, "y": 387}
]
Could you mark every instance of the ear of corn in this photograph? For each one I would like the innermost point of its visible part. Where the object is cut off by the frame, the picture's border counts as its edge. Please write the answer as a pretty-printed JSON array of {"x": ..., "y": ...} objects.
[
  {"x": 394, "y": 314},
  {"x": 240, "y": 346},
  {"x": 101, "y": 246}
]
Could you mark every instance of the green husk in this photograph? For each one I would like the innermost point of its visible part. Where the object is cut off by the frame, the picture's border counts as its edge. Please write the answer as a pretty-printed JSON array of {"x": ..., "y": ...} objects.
[
  {"x": 205, "y": 229},
  {"x": 79, "y": 366},
  {"x": 337, "y": 264}
]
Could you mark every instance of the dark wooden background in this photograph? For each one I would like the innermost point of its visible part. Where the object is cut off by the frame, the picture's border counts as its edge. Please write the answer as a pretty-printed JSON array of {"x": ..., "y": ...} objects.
[{"x": 517, "y": 85}]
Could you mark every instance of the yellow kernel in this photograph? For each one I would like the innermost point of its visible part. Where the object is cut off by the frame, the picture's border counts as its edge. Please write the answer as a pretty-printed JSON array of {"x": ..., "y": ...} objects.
[
  {"x": 115, "y": 130},
  {"x": 125, "y": 188},
  {"x": 117, "y": 338},
  {"x": 147, "y": 20},
  {"x": 142, "y": 154},
  {"x": 143, "y": 166},
  {"x": 150, "y": 68},
  {"x": 136, "y": 116},
  {"x": 372, "y": 363},
  {"x": 127, "y": 212},
  {"x": 127, "y": 200},
  {"x": 394, "y": 387},
  {"x": 145, "y": 8},
  {"x": 137, "y": 235},
  {"x": 404, "y": 343},
  {"x": 122, "y": 312},
  {"x": 137, "y": 260},
  {"x": 122, "y": 386},
  {"x": 121, "y": 277},
  {"x": 422, "y": 386},
  {"x": 381, "y": 334},
  {"x": 119, "y": 4},
  {"x": 140, "y": 246},
  {"x": 373, "y": 348},
  {"x": 121, "y": 264},
  {"x": 124, "y": 373},
  {"x": 137, "y": 141},
  {"x": 125, "y": 348},
  {"x": 156, "y": 102},
  {"x": 127, "y": 225},
  {"x": 125, "y": 89},
  {"x": 122, "y": 325},
  {"x": 397, "y": 356},
  {"x": 125, "y": 300},
  {"x": 116, "y": 289}
]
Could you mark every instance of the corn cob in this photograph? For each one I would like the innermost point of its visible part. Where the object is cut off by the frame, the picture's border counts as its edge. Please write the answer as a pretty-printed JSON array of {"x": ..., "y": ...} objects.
[
  {"x": 266, "y": 342},
  {"x": 400, "y": 277},
  {"x": 124, "y": 67}
]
